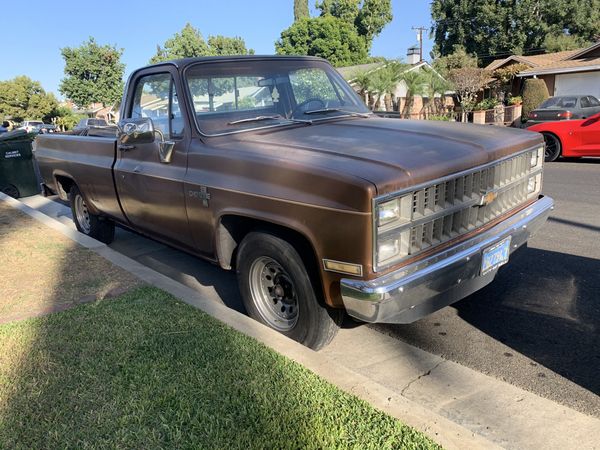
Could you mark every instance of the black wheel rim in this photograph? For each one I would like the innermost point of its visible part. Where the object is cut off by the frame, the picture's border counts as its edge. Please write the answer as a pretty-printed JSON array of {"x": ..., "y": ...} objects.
[{"x": 552, "y": 146}]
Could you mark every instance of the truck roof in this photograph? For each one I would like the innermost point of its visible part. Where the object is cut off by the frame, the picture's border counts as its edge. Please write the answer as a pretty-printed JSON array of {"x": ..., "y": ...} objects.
[{"x": 180, "y": 63}]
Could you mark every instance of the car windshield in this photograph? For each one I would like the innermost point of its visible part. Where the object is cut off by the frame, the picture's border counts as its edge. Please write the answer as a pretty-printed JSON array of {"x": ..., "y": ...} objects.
[
  {"x": 559, "y": 102},
  {"x": 243, "y": 95}
]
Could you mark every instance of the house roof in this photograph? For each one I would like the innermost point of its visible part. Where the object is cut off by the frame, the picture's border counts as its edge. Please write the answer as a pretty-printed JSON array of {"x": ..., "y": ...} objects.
[
  {"x": 349, "y": 71},
  {"x": 579, "y": 60},
  {"x": 533, "y": 60},
  {"x": 577, "y": 65}
]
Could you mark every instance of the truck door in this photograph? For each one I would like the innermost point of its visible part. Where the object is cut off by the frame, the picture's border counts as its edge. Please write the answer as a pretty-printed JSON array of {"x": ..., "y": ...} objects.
[{"x": 151, "y": 192}]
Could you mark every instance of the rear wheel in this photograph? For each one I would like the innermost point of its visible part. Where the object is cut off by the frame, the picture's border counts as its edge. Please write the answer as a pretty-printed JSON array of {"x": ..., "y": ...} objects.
[
  {"x": 87, "y": 223},
  {"x": 553, "y": 147},
  {"x": 11, "y": 191},
  {"x": 278, "y": 292}
]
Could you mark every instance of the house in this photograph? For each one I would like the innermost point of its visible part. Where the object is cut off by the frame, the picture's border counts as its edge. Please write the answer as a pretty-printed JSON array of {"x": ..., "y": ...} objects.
[
  {"x": 400, "y": 93},
  {"x": 566, "y": 72},
  {"x": 96, "y": 111}
]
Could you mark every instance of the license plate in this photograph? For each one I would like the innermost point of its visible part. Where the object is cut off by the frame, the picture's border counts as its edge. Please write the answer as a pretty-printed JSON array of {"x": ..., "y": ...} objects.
[{"x": 495, "y": 256}]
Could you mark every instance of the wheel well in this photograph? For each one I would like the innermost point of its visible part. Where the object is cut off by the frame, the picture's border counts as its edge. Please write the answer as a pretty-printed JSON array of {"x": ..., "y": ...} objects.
[
  {"x": 232, "y": 229},
  {"x": 64, "y": 185},
  {"x": 552, "y": 134}
]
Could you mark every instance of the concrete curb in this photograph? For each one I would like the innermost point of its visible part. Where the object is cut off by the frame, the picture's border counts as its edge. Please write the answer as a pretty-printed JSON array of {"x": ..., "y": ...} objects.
[{"x": 445, "y": 432}]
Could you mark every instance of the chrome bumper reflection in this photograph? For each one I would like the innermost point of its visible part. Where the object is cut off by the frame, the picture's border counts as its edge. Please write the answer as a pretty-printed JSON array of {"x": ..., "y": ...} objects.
[{"x": 421, "y": 288}]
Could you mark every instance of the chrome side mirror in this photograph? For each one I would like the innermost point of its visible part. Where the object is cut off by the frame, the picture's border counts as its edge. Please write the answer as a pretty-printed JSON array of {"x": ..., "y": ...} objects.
[{"x": 135, "y": 131}]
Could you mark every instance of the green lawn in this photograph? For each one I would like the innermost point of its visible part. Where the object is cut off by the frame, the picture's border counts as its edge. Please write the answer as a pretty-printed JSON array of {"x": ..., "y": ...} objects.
[{"x": 147, "y": 371}]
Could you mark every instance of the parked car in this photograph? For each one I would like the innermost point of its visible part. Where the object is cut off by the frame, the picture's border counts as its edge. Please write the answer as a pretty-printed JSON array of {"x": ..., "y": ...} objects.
[
  {"x": 274, "y": 167},
  {"x": 46, "y": 128},
  {"x": 31, "y": 126},
  {"x": 565, "y": 107},
  {"x": 574, "y": 138},
  {"x": 84, "y": 124}
]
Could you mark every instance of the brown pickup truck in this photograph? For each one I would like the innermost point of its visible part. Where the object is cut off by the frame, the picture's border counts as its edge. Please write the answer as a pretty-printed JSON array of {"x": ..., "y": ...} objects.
[{"x": 273, "y": 167}]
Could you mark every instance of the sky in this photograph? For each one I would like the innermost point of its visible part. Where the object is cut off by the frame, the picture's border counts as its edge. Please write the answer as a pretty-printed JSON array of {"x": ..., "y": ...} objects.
[{"x": 32, "y": 40}]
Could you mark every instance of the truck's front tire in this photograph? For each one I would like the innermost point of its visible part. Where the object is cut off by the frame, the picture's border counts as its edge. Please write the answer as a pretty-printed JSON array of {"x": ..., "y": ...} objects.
[
  {"x": 88, "y": 223},
  {"x": 278, "y": 292}
]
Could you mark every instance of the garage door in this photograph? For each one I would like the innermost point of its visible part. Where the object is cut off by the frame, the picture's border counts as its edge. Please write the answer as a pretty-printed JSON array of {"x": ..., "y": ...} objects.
[{"x": 578, "y": 83}]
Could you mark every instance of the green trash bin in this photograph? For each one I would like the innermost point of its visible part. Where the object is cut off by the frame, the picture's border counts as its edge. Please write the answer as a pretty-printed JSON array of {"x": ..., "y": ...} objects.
[{"x": 17, "y": 174}]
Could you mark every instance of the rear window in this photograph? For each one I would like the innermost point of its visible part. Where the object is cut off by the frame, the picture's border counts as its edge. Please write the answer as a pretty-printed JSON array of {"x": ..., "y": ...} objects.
[{"x": 559, "y": 102}]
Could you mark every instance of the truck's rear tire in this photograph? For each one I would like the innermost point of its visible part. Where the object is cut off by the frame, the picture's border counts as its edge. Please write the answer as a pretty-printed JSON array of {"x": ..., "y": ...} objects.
[
  {"x": 277, "y": 291},
  {"x": 87, "y": 223}
]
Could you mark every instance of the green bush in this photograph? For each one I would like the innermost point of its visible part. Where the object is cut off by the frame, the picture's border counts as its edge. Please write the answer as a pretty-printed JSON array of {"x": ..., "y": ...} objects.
[
  {"x": 487, "y": 103},
  {"x": 516, "y": 100},
  {"x": 534, "y": 93}
]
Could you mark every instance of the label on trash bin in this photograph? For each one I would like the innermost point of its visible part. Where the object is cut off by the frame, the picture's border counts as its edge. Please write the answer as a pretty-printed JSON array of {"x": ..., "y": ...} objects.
[{"x": 12, "y": 154}]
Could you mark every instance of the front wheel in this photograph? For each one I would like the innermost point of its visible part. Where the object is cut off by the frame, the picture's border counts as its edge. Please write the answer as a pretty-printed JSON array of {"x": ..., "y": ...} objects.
[
  {"x": 87, "y": 223},
  {"x": 278, "y": 292},
  {"x": 553, "y": 147}
]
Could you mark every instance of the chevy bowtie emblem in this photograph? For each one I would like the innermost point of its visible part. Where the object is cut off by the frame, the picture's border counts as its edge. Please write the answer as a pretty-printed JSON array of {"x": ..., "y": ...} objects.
[{"x": 487, "y": 198}]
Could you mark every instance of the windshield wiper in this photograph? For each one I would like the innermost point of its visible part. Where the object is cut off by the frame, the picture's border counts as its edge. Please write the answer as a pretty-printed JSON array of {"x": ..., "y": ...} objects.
[
  {"x": 273, "y": 117},
  {"x": 330, "y": 110}
]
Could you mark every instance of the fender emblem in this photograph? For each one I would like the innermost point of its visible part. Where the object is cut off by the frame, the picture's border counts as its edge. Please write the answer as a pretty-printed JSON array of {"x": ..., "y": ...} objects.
[
  {"x": 487, "y": 198},
  {"x": 202, "y": 194}
]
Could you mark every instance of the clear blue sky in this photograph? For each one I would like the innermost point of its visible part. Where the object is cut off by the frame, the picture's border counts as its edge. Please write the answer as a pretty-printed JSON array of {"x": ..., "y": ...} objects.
[{"x": 32, "y": 39}]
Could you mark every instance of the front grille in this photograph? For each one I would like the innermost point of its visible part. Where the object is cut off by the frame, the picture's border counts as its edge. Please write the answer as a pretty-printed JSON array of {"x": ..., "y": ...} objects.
[
  {"x": 507, "y": 178},
  {"x": 454, "y": 206}
]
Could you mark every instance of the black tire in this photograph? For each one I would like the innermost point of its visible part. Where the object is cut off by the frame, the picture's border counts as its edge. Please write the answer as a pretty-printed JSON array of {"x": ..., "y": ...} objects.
[
  {"x": 305, "y": 319},
  {"x": 87, "y": 223},
  {"x": 11, "y": 191},
  {"x": 553, "y": 147}
]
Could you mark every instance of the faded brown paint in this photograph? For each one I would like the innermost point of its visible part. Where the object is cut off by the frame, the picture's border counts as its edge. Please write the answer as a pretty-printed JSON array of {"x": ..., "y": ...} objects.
[{"x": 317, "y": 180}]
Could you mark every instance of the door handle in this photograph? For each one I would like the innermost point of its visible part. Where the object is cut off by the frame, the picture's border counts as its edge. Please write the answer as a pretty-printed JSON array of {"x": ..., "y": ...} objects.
[{"x": 126, "y": 147}]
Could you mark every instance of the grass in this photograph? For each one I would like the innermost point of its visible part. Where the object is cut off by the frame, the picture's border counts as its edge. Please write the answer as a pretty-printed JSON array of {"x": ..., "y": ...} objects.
[
  {"x": 147, "y": 371},
  {"x": 44, "y": 271}
]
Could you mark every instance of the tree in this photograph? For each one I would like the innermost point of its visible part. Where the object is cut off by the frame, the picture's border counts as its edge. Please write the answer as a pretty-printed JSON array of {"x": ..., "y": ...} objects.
[
  {"x": 189, "y": 43},
  {"x": 94, "y": 74},
  {"x": 362, "y": 80},
  {"x": 467, "y": 82},
  {"x": 458, "y": 59},
  {"x": 223, "y": 46},
  {"x": 301, "y": 9},
  {"x": 495, "y": 29},
  {"x": 23, "y": 98},
  {"x": 186, "y": 44},
  {"x": 369, "y": 17},
  {"x": 327, "y": 37},
  {"x": 415, "y": 81},
  {"x": 434, "y": 85},
  {"x": 65, "y": 118},
  {"x": 561, "y": 42}
]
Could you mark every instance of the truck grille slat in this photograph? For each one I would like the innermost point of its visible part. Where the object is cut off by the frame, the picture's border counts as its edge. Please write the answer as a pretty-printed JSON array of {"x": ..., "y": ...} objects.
[{"x": 508, "y": 178}]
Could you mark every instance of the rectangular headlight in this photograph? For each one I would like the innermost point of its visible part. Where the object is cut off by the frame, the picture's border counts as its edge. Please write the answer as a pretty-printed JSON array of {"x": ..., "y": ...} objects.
[
  {"x": 534, "y": 185},
  {"x": 394, "y": 212},
  {"x": 392, "y": 248}
]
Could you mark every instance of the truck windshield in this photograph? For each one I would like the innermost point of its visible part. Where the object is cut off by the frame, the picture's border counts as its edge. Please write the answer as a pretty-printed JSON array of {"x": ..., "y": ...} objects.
[{"x": 230, "y": 96}]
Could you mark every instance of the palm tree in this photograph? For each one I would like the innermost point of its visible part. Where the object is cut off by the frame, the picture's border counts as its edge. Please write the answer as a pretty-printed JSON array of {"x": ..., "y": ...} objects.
[
  {"x": 434, "y": 85},
  {"x": 362, "y": 79},
  {"x": 385, "y": 80},
  {"x": 414, "y": 81}
]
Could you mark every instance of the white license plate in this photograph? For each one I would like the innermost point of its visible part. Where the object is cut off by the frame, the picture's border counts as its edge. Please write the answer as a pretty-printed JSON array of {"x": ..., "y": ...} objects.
[{"x": 495, "y": 256}]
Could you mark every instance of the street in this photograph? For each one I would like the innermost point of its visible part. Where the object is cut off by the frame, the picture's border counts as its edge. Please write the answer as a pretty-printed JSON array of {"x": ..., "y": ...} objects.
[{"x": 536, "y": 326}]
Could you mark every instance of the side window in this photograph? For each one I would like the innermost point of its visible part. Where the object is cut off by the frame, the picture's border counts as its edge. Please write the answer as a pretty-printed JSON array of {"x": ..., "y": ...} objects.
[
  {"x": 585, "y": 102},
  {"x": 155, "y": 97},
  {"x": 593, "y": 101}
]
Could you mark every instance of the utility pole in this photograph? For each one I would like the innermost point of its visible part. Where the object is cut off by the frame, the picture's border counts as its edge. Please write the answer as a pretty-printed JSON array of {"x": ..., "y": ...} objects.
[{"x": 420, "y": 30}]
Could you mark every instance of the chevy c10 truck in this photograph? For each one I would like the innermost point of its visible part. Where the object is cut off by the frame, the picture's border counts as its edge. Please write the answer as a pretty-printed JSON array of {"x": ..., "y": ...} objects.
[{"x": 273, "y": 167}]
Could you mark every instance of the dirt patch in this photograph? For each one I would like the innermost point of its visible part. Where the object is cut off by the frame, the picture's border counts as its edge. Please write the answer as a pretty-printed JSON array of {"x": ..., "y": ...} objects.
[{"x": 43, "y": 271}]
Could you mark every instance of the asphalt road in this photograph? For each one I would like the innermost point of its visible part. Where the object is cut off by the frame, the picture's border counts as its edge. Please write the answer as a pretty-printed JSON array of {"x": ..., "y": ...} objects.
[{"x": 537, "y": 326}]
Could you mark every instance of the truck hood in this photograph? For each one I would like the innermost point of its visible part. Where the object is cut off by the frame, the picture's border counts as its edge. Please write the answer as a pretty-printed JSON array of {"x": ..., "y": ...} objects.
[{"x": 390, "y": 153}]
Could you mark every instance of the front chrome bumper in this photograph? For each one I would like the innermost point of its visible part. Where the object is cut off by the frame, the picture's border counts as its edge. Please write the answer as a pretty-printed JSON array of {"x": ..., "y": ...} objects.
[{"x": 425, "y": 286}]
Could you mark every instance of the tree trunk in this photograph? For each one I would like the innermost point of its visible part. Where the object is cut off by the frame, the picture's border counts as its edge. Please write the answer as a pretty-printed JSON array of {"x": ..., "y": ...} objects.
[{"x": 388, "y": 102}]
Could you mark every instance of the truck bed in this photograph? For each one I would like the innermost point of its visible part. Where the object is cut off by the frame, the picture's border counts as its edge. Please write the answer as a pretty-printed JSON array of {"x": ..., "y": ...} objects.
[{"x": 87, "y": 161}]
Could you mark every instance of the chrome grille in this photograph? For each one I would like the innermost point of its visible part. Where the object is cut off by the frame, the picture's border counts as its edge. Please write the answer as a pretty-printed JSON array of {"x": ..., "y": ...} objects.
[{"x": 451, "y": 207}]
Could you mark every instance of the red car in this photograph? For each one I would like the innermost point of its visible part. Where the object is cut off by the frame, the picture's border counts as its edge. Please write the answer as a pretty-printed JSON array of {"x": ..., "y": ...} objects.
[{"x": 571, "y": 138}]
